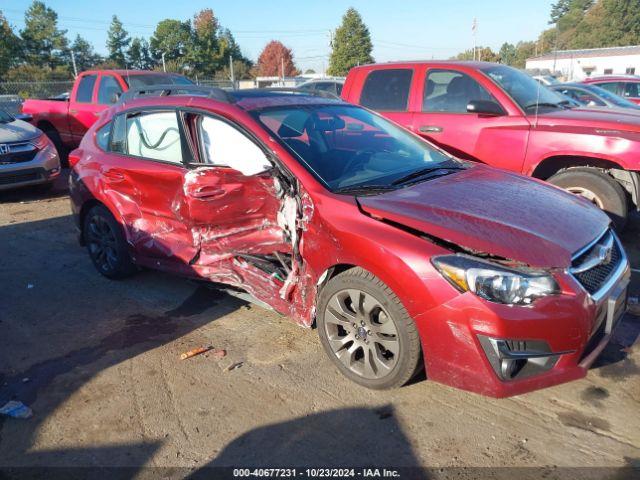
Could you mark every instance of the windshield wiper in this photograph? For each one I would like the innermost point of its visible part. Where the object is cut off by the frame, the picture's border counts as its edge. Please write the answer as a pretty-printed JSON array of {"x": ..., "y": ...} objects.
[
  {"x": 365, "y": 189},
  {"x": 424, "y": 172}
]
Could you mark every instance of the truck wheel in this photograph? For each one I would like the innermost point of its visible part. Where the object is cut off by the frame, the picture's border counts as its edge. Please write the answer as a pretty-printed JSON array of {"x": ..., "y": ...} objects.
[
  {"x": 54, "y": 136},
  {"x": 106, "y": 244},
  {"x": 367, "y": 332},
  {"x": 598, "y": 188}
]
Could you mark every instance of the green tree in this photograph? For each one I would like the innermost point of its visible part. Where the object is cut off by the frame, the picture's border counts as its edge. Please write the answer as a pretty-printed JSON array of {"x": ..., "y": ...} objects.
[
  {"x": 484, "y": 54},
  {"x": 9, "y": 46},
  {"x": 610, "y": 23},
  {"x": 175, "y": 39},
  {"x": 206, "y": 53},
  {"x": 117, "y": 42},
  {"x": 138, "y": 55},
  {"x": 231, "y": 45},
  {"x": 524, "y": 50},
  {"x": 351, "y": 44},
  {"x": 507, "y": 53},
  {"x": 43, "y": 43},
  {"x": 84, "y": 54},
  {"x": 241, "y": 71}
]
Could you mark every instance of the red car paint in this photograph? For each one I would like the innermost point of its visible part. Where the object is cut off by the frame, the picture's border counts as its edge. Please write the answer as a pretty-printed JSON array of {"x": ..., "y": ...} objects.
[
  {"x": 203, "y": 221},
  {"x": 627, "y": 86},
  {"x": 70, "y": 119},
  {"x": 534, "y": 145}
]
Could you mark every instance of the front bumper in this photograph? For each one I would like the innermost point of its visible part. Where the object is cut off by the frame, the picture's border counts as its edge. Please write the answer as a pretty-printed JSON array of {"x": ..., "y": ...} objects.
[
  {"x": 476, "y": 345},
  {"x": 43, "y": 168}
]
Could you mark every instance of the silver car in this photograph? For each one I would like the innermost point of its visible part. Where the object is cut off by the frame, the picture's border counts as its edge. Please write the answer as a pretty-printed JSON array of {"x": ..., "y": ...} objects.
[{"x": 27, "y": 156}]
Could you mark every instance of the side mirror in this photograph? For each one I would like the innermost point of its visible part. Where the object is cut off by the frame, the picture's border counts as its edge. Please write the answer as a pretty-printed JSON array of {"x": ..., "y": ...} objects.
[
  {"x": 25, "y": 117},
  {"x": 485, "y": 107},
  {"x": 115, "y": 96}
]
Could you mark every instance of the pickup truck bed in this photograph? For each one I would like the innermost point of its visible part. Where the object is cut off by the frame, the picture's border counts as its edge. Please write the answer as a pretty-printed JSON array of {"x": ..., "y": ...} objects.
[{"x": 65, "y": 121}]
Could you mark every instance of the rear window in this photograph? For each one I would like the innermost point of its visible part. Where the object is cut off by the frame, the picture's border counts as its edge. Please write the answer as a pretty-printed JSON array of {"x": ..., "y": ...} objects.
[
  {"x": 610, "y": 86},
  {"x": 141, "y": 81},
  {"x": 387, "y": 90},
  {"x": 85, "y": 89},
  {"x": 631, "y": 90}
]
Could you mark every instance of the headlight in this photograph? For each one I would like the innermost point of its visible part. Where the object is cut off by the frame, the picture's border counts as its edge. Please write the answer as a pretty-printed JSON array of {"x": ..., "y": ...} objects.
[
  {"x": 41, "y": 142},
  {"x": 493, "y": 282}
]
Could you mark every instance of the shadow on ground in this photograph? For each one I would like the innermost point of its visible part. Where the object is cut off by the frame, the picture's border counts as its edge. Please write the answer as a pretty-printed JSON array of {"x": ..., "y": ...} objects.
[{"x": 65, "y": 324}]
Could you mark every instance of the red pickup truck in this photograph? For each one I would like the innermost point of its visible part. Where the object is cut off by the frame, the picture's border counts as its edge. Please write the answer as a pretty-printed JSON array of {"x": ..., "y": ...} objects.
[
  {"x": 65, "y": 120},
  {"x": 500, "y": 116}
]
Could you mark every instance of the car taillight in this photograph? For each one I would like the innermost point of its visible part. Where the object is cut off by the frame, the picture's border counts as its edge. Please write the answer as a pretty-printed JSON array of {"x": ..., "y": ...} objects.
[{"x": 74, "y": 157}]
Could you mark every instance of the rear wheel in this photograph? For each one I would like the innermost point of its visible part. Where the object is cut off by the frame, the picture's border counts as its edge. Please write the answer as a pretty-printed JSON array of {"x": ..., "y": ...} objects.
[
  {"x": 597, "y": 187},
  {"x": 367, "y": 332},
  {"x": 106, "y": 244}
]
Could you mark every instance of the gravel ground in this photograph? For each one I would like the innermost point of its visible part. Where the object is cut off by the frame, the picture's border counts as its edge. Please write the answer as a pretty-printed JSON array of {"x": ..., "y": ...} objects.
[{"x": 98, "y": 362}]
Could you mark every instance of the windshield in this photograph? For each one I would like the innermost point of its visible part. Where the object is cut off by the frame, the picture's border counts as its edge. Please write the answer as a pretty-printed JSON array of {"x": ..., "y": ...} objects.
[
  {"x": 523, "y": 89},
  {"x": 611, "y": 97},
  {"x": 140, "y": 81},
  {"x": 347, "y": 146},
  {"x": 5, "y": 117}
]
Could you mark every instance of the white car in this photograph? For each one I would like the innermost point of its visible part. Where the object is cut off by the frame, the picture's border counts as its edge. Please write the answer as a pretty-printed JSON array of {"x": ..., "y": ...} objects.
[{"x": 27, "y": 156}]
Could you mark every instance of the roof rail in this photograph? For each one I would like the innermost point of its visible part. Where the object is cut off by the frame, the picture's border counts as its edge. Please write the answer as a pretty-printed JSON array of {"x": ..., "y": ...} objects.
[
  {"x": 172, "y": 89},
  {"x": 299, "y": 91}
]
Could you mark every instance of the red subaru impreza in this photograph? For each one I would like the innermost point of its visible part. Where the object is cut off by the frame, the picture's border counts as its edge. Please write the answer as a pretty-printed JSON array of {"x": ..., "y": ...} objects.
[{"x": 402, "y": 255}]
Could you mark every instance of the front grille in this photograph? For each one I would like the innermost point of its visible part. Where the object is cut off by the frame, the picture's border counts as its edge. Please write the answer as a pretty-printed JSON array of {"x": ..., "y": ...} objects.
[
  {"x": 18, "y": 153},
  {"x": 593, "y": 279},
  {"x": 19, "y": 177}
]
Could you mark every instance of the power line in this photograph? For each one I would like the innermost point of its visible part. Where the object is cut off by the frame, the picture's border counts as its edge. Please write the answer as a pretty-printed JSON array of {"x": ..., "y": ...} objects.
[{"x": 323, "y": 31}]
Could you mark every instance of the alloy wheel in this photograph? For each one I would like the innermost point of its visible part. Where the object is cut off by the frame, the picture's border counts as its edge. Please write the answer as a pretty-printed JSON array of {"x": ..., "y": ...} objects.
[
  {"x": 361, "y": 334},
  {"x": 101, "y": 240}
]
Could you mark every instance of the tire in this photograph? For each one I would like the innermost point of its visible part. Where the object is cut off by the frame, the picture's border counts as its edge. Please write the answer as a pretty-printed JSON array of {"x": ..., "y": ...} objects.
[
  {"x": 598, "y": 187},
  {"x": 358, "y": 352},
  {"x": 106, "y": 244},
  {"x": 54, "y": 136}
]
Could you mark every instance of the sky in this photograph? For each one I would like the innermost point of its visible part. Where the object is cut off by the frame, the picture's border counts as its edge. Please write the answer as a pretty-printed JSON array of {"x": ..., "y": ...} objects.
[{"x": 400, "y": 29}]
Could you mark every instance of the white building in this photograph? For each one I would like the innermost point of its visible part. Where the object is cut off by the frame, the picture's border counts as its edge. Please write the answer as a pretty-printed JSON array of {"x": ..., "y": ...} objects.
[{"x": 579, "y": 64}]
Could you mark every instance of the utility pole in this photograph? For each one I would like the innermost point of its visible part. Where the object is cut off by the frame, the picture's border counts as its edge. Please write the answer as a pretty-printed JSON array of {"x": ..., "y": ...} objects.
[
  {"x": 474, "y": 29},
  {"x": 73, "y": 61},
  {"x": 233, "y": 78},
  {"x": 164, "y": 66},
  {"x": 282, "y": 67}
]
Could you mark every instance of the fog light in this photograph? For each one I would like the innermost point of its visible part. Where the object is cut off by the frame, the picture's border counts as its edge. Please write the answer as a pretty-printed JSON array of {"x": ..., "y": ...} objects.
[
  {"x": 515, "y": 359},
  {"x": 54, "y": 170}
]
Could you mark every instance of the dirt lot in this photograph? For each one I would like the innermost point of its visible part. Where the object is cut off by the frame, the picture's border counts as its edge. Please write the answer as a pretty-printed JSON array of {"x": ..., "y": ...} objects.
[{"x": 98, "y": 362}]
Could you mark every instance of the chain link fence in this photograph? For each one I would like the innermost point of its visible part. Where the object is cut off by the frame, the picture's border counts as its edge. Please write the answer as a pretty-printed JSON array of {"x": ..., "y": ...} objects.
[
  {"x": 13, "y": 93},
  {"x": 36, "y": 89}
]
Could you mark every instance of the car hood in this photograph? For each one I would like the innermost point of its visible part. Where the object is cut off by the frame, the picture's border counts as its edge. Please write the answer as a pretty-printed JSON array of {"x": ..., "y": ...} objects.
[
  {"x": 495, "y": 212},
  {"x": 17, "y": 131},
  {"x": 592, "y": 118}
]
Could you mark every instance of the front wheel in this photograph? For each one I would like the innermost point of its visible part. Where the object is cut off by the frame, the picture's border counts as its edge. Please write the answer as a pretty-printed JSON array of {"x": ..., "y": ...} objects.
[
  {"x": 597, "y": 187},
  {"x": 367, "y": 332}
]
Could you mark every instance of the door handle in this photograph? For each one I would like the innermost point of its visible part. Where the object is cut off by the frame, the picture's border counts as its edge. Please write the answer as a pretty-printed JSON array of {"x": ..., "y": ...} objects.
[
  {"x": 74, "y": 111},
  {"x": 113, "y": 175},
  {"x": 207, "y": 192},
  {"x": 430, "y": 129}
]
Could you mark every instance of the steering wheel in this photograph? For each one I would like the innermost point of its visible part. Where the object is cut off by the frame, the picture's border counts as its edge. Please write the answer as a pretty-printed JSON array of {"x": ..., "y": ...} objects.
[{"x": 357, "y": 159}]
